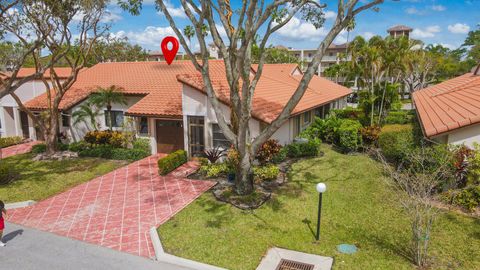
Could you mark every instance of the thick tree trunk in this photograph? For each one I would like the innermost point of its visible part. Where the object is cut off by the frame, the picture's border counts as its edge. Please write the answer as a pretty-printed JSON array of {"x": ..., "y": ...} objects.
[
  {"x": 51, "y": 135},
  {"x": 244, "y": 175}
]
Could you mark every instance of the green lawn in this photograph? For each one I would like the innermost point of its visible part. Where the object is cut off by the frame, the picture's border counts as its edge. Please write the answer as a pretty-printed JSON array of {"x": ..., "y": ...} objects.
[
  {"x": 358, "y": 208},
  {"x": 38, "y": 180}
]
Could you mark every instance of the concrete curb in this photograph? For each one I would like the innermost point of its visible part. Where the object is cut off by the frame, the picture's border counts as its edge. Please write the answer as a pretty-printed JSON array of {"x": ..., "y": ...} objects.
[
  {"x": 19, "y": 204},
  {"x": 161, "y": 256}
]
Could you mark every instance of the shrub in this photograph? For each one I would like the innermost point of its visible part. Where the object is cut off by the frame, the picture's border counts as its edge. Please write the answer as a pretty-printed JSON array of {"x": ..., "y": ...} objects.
[
  {"x": 349, "y": 136},
  {"x": 303, "y": 149},
  {"x": 370, "y": 134},
  {"x": 348, "y": 113},
  {"x": 129, "y": 154},
  {"x": 172, "y": 161},
  {"x": 203, "y": 161},
  {"x": 39, "y": 148},
  {"x": 468, "y": 198},
  {"x": 114, "y": 138},
  {"x": 398, "y": 117},
  {"x": 9, "y": 141},
  {"x": 79, "y": 146},
  {"x": 280, "y": 156},
  {"x": 268, "y": 150},
  {"x": 395, "y": 141},
  {"x": 101, "y": 151},
  {"x": 473, "y": 176},
  {"x": 265, "y": 173},
  {"x": 214, "y": 154},
  {"x": 215, "y": 169},
  {"x": 143, "y": 144}
]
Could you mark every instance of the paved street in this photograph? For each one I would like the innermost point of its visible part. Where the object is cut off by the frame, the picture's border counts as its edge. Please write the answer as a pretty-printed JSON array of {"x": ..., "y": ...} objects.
[{"x": 33, "y": 249}]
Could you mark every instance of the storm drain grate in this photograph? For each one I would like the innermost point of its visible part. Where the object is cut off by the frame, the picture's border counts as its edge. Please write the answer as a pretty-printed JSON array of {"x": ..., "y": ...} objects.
[{"x": 293, "y": 265}]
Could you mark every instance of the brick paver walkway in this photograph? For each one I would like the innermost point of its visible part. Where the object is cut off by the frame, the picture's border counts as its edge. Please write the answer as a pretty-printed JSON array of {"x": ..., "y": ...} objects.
[
  {"x": 17, "y": 149},
  {"x": 115, "y": 210}
]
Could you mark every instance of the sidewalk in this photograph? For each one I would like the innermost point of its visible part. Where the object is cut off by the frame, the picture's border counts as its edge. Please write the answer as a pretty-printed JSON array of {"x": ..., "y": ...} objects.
[{"x": 33, "y": 249}]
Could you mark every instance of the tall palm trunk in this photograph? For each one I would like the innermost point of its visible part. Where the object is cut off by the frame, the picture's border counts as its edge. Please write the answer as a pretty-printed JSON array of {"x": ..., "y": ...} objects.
[{"x": 109, "y": 113}]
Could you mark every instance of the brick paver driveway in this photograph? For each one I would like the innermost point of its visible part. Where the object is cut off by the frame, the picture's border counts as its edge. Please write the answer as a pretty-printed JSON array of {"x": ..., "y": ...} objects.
[
  {"x": 17, "y": 149},
  {"x": 115, "y": 210}
]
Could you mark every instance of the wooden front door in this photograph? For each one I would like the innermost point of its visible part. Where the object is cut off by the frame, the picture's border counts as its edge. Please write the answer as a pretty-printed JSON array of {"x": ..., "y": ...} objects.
[
  {"x": 24, "y": 124},
  {"x": 169, "y": 135}
]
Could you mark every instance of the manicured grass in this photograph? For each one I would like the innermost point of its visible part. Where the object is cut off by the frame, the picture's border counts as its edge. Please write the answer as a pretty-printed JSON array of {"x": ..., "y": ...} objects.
[
  {"x": 359, "y": 208},
  {"x": 38, "y": 180}
]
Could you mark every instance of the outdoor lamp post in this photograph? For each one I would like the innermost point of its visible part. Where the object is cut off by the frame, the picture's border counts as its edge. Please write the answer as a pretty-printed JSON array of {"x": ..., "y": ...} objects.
[{"x": 321, "y": 187}]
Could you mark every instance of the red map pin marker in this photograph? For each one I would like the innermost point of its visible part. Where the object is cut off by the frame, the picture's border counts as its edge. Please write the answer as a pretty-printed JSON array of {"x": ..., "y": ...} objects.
[{"x": 169, "y": 54}]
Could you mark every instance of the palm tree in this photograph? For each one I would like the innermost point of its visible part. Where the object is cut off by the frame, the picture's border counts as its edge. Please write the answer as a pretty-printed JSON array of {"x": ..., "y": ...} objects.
[
  {"x": 105, "y": 97},
  {"x": 87, "y": 113},
  {"x": 189, "y": 32}
]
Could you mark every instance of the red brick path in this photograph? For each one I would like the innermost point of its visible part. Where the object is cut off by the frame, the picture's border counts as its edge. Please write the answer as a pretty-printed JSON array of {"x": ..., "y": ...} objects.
[
  {"x": 116, "y": 210},
  {"x": 17, "y": 149}
]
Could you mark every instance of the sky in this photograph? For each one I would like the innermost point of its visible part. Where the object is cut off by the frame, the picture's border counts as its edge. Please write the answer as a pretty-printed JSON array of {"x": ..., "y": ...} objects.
[{"x": 444, "y": 22}]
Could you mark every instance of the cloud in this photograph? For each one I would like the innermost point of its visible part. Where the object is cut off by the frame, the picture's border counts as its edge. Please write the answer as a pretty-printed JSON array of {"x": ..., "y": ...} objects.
[
  {"x": 427, "y": 32},
  {"x": 150, "y": 37},
  {"x": 412, "y": 10},
  {"x": 174, "y": 11},
  {"x": 438, "y": 8},
  {"x": 459, "y": 28},
  {"x": 296, "y": 29},
  {"x": 367, "y": 35},
  {"x": 330, "y": 14},
  {"x": 110, "y": 16}
]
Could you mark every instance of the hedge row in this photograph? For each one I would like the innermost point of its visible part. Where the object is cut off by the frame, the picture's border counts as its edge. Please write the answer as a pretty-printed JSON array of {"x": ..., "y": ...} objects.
[
  {"x": 9, "y": 141},
  {"x": 172, "y": 161},
  {"x": 396, "y": 141}
]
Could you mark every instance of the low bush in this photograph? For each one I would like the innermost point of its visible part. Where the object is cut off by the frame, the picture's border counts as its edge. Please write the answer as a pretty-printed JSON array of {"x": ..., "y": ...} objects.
[
  {"x": 349, "y": 136},
  {"x": 303, "y": 149},
  {"x": 398, "y": 117},
  {"x": 9, "y": 141},
  {"x": 395, "y": 141},
  {"x": 266, "y": 173},
  {"x": 39, "y": 148},
  {"x": 468, "y": 198},
  {"x": 268, "y": 150},
  {"x": 129, "y": 154},
  {"x": 280, "y": 156},
  {"x": 215, "y": 170},
  {"x": 171, "y": 161},
  {"x": 370, "y": 134},
  {"x": 114, "y": 138},
  {"x": 348, "y": 113},
  {"x": 100, "y": 151},
  {"x": 203, "y": 161},
  {"x": 214, "y": 154}
]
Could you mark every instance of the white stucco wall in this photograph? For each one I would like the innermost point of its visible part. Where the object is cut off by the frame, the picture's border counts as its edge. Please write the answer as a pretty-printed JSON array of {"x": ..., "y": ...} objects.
[
  {"x": 467, "y": 135},
  {"x": 12, "y": 126},
  {"x": 195, "y": 103},
  {"x": 78, "y": 131}
]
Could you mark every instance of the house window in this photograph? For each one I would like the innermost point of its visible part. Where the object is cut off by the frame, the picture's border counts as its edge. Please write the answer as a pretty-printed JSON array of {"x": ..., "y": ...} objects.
[
  {"x": 307, "y": 117},
  {"x": 143, "y": 125},
  {"x": 117, "y": 118},
  {"x": 65, "y": 120},
  {"x": 219, "y": 140},
  {"x": 319, "y": 112},
  {"x": 296, "y": 126}
]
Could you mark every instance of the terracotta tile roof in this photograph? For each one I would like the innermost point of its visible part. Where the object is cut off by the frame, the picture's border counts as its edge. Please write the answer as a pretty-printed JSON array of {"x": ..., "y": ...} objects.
[
  {"x": 449, "y": 105},
  {"x": 62, "y": 72},
  {"x": 156, "y": 80},
  {"x": 399, "y": 28},
  {"x": 275, "y": 88}
]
